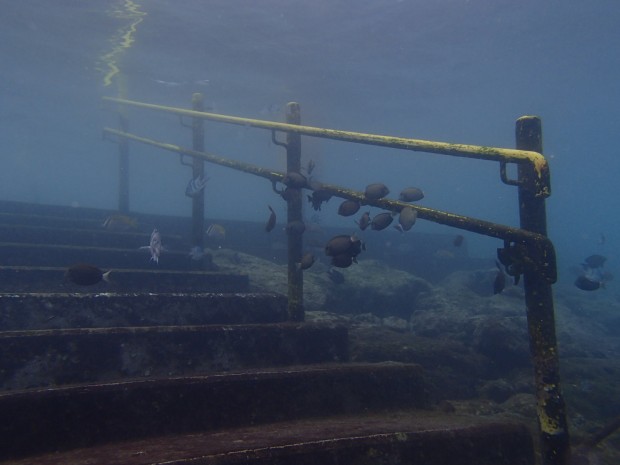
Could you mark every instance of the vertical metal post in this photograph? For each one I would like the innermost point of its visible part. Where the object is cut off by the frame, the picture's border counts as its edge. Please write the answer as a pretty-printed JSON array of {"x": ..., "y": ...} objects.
[
  {"x": 198, "y": 170},
  {"x": 295, "y": 241},
  {"x": 540, "y": 313},
  {"x": 123, "y": 165}
]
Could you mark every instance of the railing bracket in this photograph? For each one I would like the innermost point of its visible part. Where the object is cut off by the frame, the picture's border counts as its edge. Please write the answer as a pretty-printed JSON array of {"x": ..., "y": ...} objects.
[
  {"x": 537, "y": 257},
  {"x": 183, "y": 123},
  {"x": 183, "y": 162},
  {"x": 504, "y": 175},
  {"x": 276, "y": 141}
]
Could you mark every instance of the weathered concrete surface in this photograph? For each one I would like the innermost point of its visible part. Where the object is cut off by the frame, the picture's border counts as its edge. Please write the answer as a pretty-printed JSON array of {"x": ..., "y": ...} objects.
[
  {"x": 81, "y": 235},
  {"x": 394, "y": 438},
  {"x": 63, "y": 256},
  {"x": 66, "y": 356},
  {"x": 55, "y": 311},
  {"x": 19, "y": 279},
  {"x": 71, "y": 417}
]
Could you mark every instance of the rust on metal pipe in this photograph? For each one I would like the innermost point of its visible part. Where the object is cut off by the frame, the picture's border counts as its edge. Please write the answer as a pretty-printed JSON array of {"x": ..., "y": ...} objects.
[
  {"x": 537, "y": 242},
  {"x": 198, "y": 171},
  {"x": 294, "y": 219},
  {"x": 502, "y": 155},
  {"x": 540, "y": 311}
]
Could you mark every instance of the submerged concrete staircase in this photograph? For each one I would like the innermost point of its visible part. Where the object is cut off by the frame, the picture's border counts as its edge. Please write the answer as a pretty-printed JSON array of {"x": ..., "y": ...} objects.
[{"x": 179, "y": 365}]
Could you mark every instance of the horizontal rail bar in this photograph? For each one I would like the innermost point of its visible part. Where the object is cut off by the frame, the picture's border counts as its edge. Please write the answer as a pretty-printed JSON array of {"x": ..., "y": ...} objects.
[
  {"x": 486, "y": 228},
  {"x": 272, "y": 175},
  {"x": 536, "y": 159}
]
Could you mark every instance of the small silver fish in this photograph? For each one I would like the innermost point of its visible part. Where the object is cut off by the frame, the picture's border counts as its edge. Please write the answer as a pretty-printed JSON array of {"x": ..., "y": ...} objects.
[
  {"x": 154, "y": 246},
  {"x": 195, "y": 186}
]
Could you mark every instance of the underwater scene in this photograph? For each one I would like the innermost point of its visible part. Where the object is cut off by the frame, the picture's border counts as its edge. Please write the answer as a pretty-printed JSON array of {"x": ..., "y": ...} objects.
[{"x": 328, "y": 231}]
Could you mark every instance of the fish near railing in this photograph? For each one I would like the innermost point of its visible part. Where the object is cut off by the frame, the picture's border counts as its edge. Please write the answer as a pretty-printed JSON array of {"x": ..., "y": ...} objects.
[{"x": 526, "y": 251}]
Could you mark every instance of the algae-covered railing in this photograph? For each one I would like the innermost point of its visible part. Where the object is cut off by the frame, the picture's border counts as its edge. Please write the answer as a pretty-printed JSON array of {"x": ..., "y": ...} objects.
[{"x": 526, "y": 250}]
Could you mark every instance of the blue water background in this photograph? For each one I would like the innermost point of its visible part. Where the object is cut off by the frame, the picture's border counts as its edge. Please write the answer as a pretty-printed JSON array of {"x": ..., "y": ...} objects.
[{"x": 448, "y": 70}]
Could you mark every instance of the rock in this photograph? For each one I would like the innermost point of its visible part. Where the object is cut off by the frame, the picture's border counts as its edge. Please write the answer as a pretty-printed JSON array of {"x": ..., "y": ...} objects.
[
  {"x": 373, "y": 287},
  {"x": 497, "y": 390},
  {"x": 369, "y": 287},
  {"x": 504, "y": 341},
  {"x": 521, "y": 404},
  {"x": 397, "y": 324}
]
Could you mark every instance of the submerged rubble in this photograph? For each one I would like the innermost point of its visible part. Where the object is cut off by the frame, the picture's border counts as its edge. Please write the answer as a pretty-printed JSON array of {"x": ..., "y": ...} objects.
[{"x": 473, "y": 345}]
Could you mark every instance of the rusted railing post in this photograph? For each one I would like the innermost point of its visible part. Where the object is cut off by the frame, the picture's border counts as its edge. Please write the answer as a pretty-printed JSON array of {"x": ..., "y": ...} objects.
[
  {"x": 540, "y": 313},
  {"x": 294, "y": 233},
  {"x": 123, "y": 165},
  {"x": 198, "y": 171}
]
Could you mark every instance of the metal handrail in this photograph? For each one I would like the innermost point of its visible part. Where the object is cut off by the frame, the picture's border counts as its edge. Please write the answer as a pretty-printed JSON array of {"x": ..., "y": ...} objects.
[
  {"x": 475, "y": 225},
  {"x": 501, "y": 155},
  {"x": 527, "y": 251}
]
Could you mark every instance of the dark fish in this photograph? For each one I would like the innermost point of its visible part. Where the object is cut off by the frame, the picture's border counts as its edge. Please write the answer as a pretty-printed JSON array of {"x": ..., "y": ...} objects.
[
  {"x": 381, "y": 221},
  {"x": 586, "y": 284},
  {"x": 458, "y": 240},
  {"x": 344, "y": 244},
  {"x": 407, "y": 218},
  {"x": 295, "y": 180},
  {"x": 376, "y": 191},
  {"x": 271, "y": 222},
  {"x": 295, "y": 227},
  {"x": 310, "y": 167},
  {"x": 500, "y": 279},
  {"x": 336, "y": 276},
  {"x": 411, "y": 194},
  {"x": 595, "y": 261},
  {"x": 86, "y": 275},
  {"x": 348, "y": 208},
  {"x": 592, "y": 279},
  {"x": 364, "y": 221},
  {"x": 306, "y": 261},
  {"x": 318, "y": 197},
  {"x": 338, "y": 245},
  {"x": 343, "y": 260}
]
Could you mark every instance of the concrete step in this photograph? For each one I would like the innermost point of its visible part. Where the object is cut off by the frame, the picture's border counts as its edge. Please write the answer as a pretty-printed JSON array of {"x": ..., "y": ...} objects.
[
  {"x": 28, "y": 279},
  {"x": 34, "y": 254},
  {"x": 131, "y": 240},
  {"x": 88, "y": 415},
  {"x": 86, "y": 217},
  {"x": 64, "y": 356},
  {"x": 16, "y": 219},
  {"x": 405, "y": 437},
  {"x": 431, "y": 256},
  {"x": 63, "y": 310}
]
